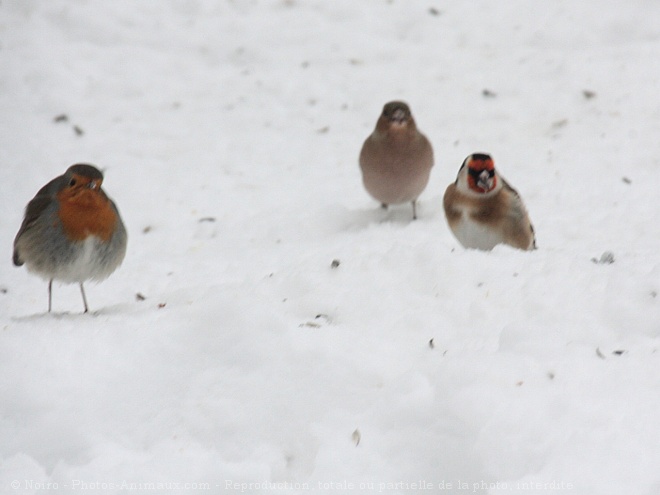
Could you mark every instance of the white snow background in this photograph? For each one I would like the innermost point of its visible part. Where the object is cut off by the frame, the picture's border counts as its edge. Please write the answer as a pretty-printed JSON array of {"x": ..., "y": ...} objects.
[{"x": 229, "y": 133}]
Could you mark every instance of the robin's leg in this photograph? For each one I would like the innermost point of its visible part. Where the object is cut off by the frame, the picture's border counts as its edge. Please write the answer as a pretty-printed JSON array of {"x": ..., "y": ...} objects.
[
  {"x": 414, "y": 204},
  {"x": 50, "y": 294},
  {"x": 383, "y": 206},
  {"x": 82, "y": 291}
]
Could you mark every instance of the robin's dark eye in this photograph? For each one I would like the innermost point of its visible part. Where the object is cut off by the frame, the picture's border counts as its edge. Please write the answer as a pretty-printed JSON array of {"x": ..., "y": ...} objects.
[{"x": 72, "y": 182}]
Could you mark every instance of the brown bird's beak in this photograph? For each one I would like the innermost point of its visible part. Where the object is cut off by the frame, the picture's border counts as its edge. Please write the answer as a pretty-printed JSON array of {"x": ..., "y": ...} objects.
[{"x": 399, "y": 116}]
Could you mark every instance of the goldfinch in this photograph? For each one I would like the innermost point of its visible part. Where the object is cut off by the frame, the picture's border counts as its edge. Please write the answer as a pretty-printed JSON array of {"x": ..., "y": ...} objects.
[{"x": 483, "y": 210}]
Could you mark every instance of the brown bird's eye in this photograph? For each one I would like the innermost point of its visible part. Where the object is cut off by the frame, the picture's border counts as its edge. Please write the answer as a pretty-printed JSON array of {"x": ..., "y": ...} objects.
[{"x": 72, "y": 182}]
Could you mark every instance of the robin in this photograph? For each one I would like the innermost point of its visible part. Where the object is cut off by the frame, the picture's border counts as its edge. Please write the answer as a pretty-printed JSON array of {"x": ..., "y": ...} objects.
[
  {"x": 72, "y": 231},
  {"x": 483, "y": 210},
  {"x": 396, "y": 158}
]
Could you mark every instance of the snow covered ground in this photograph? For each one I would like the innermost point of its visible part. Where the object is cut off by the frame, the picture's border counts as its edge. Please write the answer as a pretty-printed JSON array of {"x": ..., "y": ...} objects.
[{"x": 229, "y": 133}]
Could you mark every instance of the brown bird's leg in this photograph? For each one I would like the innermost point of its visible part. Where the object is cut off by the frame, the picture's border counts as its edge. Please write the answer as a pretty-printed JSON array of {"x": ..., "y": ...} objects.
[
  {"x": 383, "y": 206},
  {"x": 414, "y": 205},
  {"x": 82, "y": 291},
  {"x": 50, "y": 294}
]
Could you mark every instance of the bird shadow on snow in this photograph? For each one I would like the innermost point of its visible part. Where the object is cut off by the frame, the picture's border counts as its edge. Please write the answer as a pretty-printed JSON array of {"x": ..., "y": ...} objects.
[
  {"x": 53, "y": 315},
  {"x": 116, "y": 309},
  {"x": 359, "y": 219}
]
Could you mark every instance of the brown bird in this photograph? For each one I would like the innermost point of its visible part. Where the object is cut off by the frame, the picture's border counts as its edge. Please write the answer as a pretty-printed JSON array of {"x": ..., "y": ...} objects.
[
  {"x": 396, "y": 159},
  {"x": 483, "y": 210}
]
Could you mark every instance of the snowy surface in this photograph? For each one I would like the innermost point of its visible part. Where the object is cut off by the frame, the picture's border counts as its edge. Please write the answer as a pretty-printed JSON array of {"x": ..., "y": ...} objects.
[{"x": 229, "y": 133}]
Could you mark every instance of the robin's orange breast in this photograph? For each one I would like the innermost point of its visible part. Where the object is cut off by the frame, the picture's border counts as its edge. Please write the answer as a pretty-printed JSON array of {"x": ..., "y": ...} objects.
[{"x": 86, "y": 212}]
